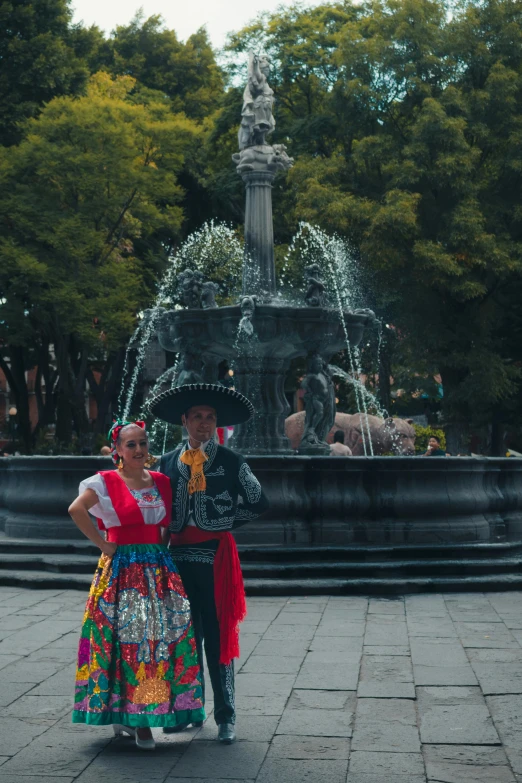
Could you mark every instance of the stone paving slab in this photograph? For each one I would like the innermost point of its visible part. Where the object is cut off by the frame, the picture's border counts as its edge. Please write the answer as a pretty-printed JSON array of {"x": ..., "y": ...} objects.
[
  {"x": 271, "y": 664},
  {"x": 259, "y": 728},
  {"x": 375, "y": 767},
  {"x": 297, "y": 771},
  {"x": 342, "y": 644},
  {"x": 242, "y": 760},
  {"x": 507, "y": 715},
  {"x": 175, "y": 779},
  {"x": 485, "y": 635},
  {"x": 386, "y": 677},
  {"x": 495, "y": 677},
  {"x": 337, "y": 676},
  {"x": 386, "y": 725},
  {"x": 288, "y": 746},
  {"x": 440, "y": 662},
  {"x": 16, "y": 733},
  {"x": 421, "y": 689},
  {"x": 373, "y": 649},
  {"x": 8, "y": 777},
  {"x": 467, "y": 764},
  {"x": 454, "y": 715},
  {"x": 316, "y": 723},
  {"x": 122, "y": 762}
]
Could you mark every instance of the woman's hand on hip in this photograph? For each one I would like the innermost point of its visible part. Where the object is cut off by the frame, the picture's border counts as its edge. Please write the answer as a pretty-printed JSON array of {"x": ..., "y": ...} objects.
[{"x": 108, "y": 548}]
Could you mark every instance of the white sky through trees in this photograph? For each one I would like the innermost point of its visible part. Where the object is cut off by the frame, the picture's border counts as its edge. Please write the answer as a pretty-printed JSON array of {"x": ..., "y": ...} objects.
[{"x": 184, "y": 16}]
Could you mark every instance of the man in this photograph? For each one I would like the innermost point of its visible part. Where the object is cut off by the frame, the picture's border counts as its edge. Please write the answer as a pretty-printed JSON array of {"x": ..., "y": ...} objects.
[
  {"x": 434, "y": 448},
  {"x": 337, "y": 448},
  {"x": 213, "y": 491}
]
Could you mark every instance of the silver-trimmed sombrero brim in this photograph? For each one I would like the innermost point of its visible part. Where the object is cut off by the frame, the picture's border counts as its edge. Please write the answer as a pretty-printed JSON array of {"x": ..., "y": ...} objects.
[{"x": 231, "y": 406}]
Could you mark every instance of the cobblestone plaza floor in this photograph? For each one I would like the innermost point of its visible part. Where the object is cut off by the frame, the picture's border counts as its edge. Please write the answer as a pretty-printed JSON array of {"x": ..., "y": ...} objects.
[{"x": 329, "y": 690}]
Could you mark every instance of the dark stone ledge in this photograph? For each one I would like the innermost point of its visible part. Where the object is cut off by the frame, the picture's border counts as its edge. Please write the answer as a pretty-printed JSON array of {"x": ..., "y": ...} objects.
[{"x": 314, "y": 500}]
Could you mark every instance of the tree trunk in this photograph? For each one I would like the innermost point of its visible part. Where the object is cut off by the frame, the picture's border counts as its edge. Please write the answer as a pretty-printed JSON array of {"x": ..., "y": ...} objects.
[
  {"x": 498, "y": 447},
  {"x": 80, "y": 416},
  {"x": 15, "y": 373},
  {"x": 64, "y": 391},
  {"x": 46, "y": 408},
  {"x": 105, "y": 392},
  {"x": 455, "y": 412}
]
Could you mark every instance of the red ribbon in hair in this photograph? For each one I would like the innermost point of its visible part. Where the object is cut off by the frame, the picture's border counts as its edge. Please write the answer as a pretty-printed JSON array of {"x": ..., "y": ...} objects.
[{"x": 119, "y": 425}]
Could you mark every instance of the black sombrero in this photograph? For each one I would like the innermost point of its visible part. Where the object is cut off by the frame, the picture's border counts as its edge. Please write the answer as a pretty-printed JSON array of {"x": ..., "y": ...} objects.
[{"x": 231, "y": 407}]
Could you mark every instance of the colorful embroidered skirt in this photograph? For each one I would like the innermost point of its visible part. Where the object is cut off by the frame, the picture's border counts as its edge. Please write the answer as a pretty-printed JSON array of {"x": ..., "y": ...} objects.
[{"x": 137, "y": 660}]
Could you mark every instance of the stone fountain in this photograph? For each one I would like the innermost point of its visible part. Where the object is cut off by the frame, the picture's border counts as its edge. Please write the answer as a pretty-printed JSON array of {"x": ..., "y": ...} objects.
[
  {"x": 335, "y": 525},
  {"x": 260, "y": 335}
]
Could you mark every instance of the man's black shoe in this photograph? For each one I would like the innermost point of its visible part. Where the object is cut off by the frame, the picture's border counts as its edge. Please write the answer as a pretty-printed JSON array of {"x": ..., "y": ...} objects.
[
  {"x": 181, "y": 727},
  {"x": 226, "y": 733}
]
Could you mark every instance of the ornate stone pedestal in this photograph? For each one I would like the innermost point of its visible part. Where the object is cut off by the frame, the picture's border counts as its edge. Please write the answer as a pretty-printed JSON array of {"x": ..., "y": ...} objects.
[{"x": 262, "y": 380}]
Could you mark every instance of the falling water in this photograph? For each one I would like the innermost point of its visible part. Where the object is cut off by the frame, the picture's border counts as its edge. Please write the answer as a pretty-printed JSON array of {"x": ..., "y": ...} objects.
[
  {"x": 366, "y": 393},
  {"x": 342, "y": 284},
  {"x": 210, "y": 249}
]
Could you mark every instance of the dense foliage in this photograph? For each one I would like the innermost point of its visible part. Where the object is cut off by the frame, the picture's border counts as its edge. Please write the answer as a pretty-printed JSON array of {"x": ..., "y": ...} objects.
[{"x": 405, "y": 120}]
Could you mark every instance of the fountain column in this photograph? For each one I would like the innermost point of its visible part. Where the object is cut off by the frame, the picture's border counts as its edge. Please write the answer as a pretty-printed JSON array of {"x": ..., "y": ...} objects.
[
  {"x": 259, "y": 267},
  {"x": 262, "y": 380}
]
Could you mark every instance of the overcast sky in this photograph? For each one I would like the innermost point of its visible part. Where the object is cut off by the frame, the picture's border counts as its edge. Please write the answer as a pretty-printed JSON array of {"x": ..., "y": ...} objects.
[{"x": 183, "y": 16}]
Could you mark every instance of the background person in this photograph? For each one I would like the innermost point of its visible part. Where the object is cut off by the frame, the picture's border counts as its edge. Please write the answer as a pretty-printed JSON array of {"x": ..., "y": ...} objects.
[
  {"x": 338, "y": 448},
  {"x": 434, "y": 448}
]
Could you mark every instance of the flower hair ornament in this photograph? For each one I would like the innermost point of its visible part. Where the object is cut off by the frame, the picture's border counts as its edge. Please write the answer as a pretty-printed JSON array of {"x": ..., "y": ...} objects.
[{"x": 112, "y": 435}]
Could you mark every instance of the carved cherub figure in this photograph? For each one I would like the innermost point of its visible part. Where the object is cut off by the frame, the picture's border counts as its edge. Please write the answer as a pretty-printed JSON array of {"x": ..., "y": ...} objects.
[
  {"x": 315, "y": 293},
  {"x": 208, "y": 295},
  {"x": 190, "y": 284},
  {"x": 188, "y": 372},
  {"x": 248, "y": 306},
  {"x": 319, "y": 400}
]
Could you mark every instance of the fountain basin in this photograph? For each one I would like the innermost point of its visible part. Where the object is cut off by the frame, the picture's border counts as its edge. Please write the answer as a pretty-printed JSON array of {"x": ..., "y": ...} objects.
[
  {"x": 316, "y": 501},
  {"x": 261, "y": 360},
  {"x": 281, "y": 331}
]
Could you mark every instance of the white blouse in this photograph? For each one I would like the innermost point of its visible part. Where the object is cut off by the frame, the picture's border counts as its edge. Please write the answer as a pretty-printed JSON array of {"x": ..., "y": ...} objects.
[{"x": 148, "y": 499}]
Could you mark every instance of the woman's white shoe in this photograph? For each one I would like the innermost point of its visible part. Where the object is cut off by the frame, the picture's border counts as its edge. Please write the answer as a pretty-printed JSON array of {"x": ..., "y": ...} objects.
[
  {"x": 119, "y": 728},
  {"x": 145, "y": 744}
]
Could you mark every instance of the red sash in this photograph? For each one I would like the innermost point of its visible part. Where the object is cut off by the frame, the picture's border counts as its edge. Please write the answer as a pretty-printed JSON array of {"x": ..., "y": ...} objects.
[{"x": 229, "y": 590}]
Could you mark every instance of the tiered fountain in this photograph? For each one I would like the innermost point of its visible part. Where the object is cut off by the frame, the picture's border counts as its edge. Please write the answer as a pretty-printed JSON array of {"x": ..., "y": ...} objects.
[{"x": 260, "y": 335}]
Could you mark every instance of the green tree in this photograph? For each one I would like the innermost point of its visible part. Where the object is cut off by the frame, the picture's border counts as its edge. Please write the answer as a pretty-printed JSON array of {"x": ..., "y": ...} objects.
[
  {"x": 421, "y": 171},
  {"x": 183, "y": 75},
  {"x": 89, "y": 204},
  {"x": 42, "y": 56}
]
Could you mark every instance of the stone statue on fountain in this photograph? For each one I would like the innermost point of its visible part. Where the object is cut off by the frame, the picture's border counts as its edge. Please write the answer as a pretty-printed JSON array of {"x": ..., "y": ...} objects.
[
  {"x": 257, "y": 122},
  {"x": 257, "y": 119},
  {"x": 208, "y": 295},
  {"x": 319, "y": 400},
  {"x": 246, "y": 327},
  {"x": 190, "y": 286},
  {"x": 315, "y": 288},
  {"x": 189, "y": 370}
]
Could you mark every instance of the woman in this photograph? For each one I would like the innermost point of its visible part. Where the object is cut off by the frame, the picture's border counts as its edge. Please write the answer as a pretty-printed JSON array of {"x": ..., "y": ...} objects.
[{"x": 137, "y": 660}]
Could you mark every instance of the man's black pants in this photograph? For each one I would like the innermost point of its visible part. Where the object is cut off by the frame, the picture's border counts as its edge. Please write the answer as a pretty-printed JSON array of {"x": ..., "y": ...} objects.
[{"x": 198, "y": 580}]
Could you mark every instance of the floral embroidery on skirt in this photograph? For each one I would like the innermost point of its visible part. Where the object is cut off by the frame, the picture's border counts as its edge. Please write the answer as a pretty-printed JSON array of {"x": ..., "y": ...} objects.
[{"x": 137, "y": 659}]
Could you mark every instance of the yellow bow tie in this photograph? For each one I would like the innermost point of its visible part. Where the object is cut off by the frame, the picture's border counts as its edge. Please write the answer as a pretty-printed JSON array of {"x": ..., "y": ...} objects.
[{"x": 196, "y": 459}]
